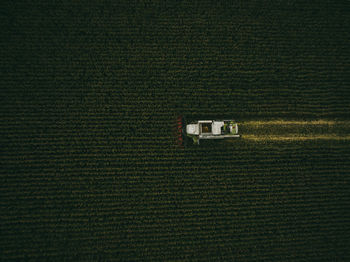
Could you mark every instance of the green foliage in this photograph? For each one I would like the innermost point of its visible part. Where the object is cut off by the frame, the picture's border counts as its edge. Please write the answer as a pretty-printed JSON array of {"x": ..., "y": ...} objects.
[{"x": 90, "y": 170}]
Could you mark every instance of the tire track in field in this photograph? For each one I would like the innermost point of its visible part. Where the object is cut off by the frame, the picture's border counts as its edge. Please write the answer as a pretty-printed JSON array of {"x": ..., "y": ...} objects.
[{"x": 295, "y": 130}]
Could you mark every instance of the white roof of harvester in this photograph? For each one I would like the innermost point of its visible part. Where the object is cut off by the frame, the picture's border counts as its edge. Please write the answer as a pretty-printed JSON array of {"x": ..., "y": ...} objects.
[
  {"x": 216, "y": 127},
  {"x": 192, "y": 129}
]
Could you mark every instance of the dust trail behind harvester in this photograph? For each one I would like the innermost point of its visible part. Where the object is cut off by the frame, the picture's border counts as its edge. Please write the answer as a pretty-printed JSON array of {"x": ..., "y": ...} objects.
[{"x": 286, "y": 130}]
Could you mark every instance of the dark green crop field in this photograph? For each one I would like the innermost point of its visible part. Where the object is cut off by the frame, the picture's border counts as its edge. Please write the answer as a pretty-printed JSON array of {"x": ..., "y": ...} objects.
[{"x": 90, "y": 169}]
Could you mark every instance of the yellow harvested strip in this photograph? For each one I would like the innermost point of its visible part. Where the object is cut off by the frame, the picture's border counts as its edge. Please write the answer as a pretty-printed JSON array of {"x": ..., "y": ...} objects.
[
  {"x": 295, "y": 130},
  {"x": 296, "y": 122},
  {"x": 291, "y": 137}
]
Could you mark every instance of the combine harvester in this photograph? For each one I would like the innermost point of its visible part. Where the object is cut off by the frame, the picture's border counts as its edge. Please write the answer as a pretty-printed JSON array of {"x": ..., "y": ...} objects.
[{"x": 205, "y": 129}]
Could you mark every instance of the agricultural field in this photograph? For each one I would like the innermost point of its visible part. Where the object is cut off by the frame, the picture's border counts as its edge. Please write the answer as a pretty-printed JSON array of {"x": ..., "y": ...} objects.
[{"x": 90, "y": 166}]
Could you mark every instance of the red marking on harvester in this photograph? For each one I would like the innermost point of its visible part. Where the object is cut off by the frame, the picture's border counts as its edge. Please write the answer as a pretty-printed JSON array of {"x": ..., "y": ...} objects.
[{"x": 179, "y": 131}]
